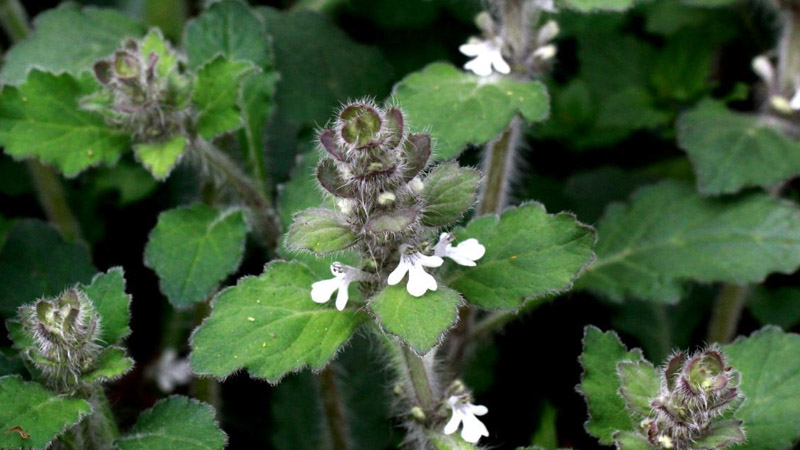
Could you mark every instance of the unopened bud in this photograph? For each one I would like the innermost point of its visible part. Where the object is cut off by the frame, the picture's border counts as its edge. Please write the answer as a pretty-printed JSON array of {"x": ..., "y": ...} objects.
[
  {"x": 780, "y": 104},
  {"x": 386, "y": 198},
  {"x": 548, "y": 32},
  {"x": 545, "y": 53},
  {"x": 418, "y": 414},
  {"x": 416, "y": 185},
  {"x": 398, "y": 389}
]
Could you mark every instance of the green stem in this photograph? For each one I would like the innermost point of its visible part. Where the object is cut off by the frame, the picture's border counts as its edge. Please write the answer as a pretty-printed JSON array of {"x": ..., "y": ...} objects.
[
  {"x": 255, "y": 157},
  {"x": 725, "y": 315},
  {"x": 333, "y": 406},
  {"x": 789, "y": 49},
  {"x": 98, "y": 430},
  {"x": 321, "y": 6},
  {"x": 204, "y": 388},
  {"x": 498, "y": 165},
  {"x": 14, "y": 20}
]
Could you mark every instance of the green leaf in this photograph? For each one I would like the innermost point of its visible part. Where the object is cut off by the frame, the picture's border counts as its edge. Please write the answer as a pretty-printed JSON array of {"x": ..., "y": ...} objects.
[
  {"x": 159, "y": 158},
  {"x": 419, "y": 321},
  {"x": 463, "y": 109},
  {"x": 41, "y": 118},
  {"x": 216, "y": 96},
  {"x": 710, "y": 3},
  {"x": 36, "y": 262},
  {"x": 451, "y": 442},
  {"x": 598, "y": 5},
  {"x": 320, "y": 231},
  {"x": 107, "y": 292},
  {"x": 600, "y": 384},
  {"x": 628, "y": 440},
  {"x": 449, "y": 192},
  {"x": 256, "y": 102},
  {"x": 546, "y": 434},
  {"x": 130, "y": 181},
  {"x": 41, "y": 414},
  {"x": 228, "y": 28},
  {"x": 270, "y": 326},
  {"x": 769, "y": 365},
  {"x": 641, "y": 384},
  {"x": 155, "y": 43},
  {"x": 731, "y": 151},
  {"x": 721, "y": 434},
  {"x": 529, "y": 254},
  {"x": 10, "y": 362},
  {"x": 110, "y": 365},
  {"x": 394, "y": 222},
  {"x": 343, "y": 69},
  {"x": 668, "y": 234},
  {"x": 68, "y": 39},
  {"x": 193, "y": 248},
  {"x": 175, "y": 423},
  {"x": 779, "y": 306}
]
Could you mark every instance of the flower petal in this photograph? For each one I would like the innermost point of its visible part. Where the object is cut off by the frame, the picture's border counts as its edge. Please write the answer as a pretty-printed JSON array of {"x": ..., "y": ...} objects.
[
  {"x": 472, "y": 49},
  {"x": 398, "y": 273},
  {"x": 478, "y": 410},
  {"x": 342, "y": 296},
  {"x": 480, "y": 66},
  {"x": 471, "y": 249},
  {"x": 420, "y": 281},
  {"x": 500, "y": 64},
  {"x": 321, "y": 291},
  {"x": 472, "y": 429},
  {"x": 453, "y": 423},
  {"x": 429, "y": 261}
]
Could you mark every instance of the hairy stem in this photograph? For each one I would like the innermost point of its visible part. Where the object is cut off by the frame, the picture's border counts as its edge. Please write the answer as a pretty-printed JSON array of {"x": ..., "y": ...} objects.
[
  {"x": 14, "y": 20},
  {"x": 726, "y": 313},
  {"x": 333, "y": 406},
  {"x": 789, "y": 49},
  {"x": 98, "y": 430}
]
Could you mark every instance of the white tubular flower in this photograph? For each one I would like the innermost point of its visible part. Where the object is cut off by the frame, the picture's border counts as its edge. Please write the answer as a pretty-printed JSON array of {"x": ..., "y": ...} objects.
[
  {"x": 548, "y": 32},
  {"x": 419, "y": 281},
  {"x": 764, "y": 69},
  {"x": 171, "y": 372},
  {"x": 343, "y": 275},
  {"x": 465, "y": 253},
  {"x": 464, "y": 414},
  {"x": 487, "y": 56},
  {"x": 545, "y": 5},
  {"x": 546, "y": 52}
]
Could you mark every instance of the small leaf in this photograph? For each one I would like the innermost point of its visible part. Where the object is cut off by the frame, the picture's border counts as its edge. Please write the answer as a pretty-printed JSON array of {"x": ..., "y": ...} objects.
[
  {"x": 41, "y": 119},
  {"x": 449, "y": 192},
  {"x": 600, "y": 384},
  {"x": 154, "y": 43},
  {"x": 463, "y": 109},
  {"x": 110, "y": 365},
  {"x": 419, "y": 321},
  {"x": 331, "y": 179},
  {"x": 39, "y": 413},
  {"x": 529, "y": 254},
  {"x": 216, "y": 96},
  {"x": 640, "y": 385},
  {"x": 107, "y": 292},
  {"x": 193, "y": 248},
  {"x": 68, "y": 39},
  {"x": 668, "y": 235},
  {"x": 731, "y": 151},
  {"x": 175, "y": 423},
  {"x": 416, "y": 152},
  {"x": 598, "y": 5},
  {"x": 287, "y": 332},
  {"x": 721, "y": 434},
  {"x": 320, "y": 231},
  {"x": 36, "y": 262},
  {"x": 628, "y": 440},
  {"x": 449, "y": 442},
  {"x": 159, "y": 158},
  {"x": 257, "y": 103},
  {"x": 769, "y": 365},
  {"x": 394, "y": 222}
]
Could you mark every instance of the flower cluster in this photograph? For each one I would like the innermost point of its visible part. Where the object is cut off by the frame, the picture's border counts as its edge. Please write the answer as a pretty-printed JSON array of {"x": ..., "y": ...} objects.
[{"x": 463, "y": 413}]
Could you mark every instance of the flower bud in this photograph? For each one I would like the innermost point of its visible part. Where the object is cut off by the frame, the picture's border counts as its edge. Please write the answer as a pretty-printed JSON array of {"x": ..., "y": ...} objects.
[
  {"x": 386, "y": 198},
  {"x": 418, "y": 414}
]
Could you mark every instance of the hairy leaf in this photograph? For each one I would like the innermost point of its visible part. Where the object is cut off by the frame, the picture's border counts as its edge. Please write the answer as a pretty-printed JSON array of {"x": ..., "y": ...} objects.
[
  {"x": 107, "y": 293},
  {"x": 159, "y": 158},
  {"x": 216, "y": 95},
  {"x": 320, "y": 231},
  {"x": 111, "y": 364},
  {"x": 598, "y": 5},
  {"x": 640, "y": 385},
  {"x": 449, "y": 192}
]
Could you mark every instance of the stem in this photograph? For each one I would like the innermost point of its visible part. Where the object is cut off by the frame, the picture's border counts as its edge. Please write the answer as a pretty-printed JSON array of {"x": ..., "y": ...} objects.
[
  {"x": 321, "y": 6},
  {"x": 726, "y": 313},
  {"x": 334, "y": 408},
  {"x": 255, "y": 157},
  {"x": 205, "y": 388},
  {"x": 498, "y": 167},
  {"x": 99, "y": 429},
  {"x": 14, "y": 20},
  {"x": 418, "y": 373},
  {"x": 789, "y": 49}
]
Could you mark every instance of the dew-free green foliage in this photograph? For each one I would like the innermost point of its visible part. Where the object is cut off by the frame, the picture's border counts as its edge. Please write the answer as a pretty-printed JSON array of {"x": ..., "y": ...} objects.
[
  {"x": 216, "y": 95},
  {"x": 175, "y": 423},
  {"x": 270, "y": 326},
  {"x": 193, "y": 248},
  {"x": 640, "y": 385},
  {"x": 41, "y": 118},
  {"x": 159, "y": 158},
  {"x": 600, "y": 384},
  {"x": 320, "y": 230},
  {"x": 419, "y": 321},
  {"x": 107, "y": 293},
  {"x": 769, "y": 365},
  {"x": 449, "y": 192},
  {"x": 731, "y": 151},
  {"x": 628, "y": 440},
  {"x": 110, "y": 365},
  {"x": 462, "y": 108},
  {"x": 450, "y": 442},
  {"x": 668, "y": 234},
  {"x": 41, "y": 414},
  {"x": 529, "y": 254},
  {"x": 256, "y": 102},
  {"x": 779, "y": 307},
  {"x": 36, "y": 262},
  {"x": 597, "y": 5},
  {"x": 68, "y": 39}
]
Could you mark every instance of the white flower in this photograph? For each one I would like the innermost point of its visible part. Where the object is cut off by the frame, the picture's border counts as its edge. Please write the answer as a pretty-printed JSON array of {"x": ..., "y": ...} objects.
[
  {"x": 465, "y": 253},
  {"x": 171, "y": 372},
  {"x": 343, "y": 275},
  {"x": 794, "y": 103},
  {"x": 486, "y": 55},
  {"x": 419, "y": 281},
  {"x": 464, "y": 414},
  {"x": 764, "y": 69},
  {"x": 547, "y": 32},
  {"x": 545, "y": 5},
  {"x": 546, "y": 52}
]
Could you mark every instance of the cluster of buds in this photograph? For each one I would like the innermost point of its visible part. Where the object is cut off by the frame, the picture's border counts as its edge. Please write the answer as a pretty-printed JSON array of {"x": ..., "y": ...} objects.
[
  {"x": 63, "y": 333},
  {"x": 145, "y": 93},
  {"x": 695, "y": 393}
]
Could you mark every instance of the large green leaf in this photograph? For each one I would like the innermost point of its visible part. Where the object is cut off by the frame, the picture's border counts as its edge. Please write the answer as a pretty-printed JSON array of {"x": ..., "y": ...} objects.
[
  {"x": 598, "y": 5},
  {"x": 463, "y": 109},
  {"x": 668, "y": 234},
  {"x": 216, "y": 95},
  {"x": 175, "y": 423},
  {"x": 449, "y": 192},
  {"x": 107, "y": 292},
  {"x": 270, "y": 326},
  {"x": 342, "y": 68},
  {"x": 228, "y": 28},
  {"x": 40, "y": 414},
  {"x": 529, "y": 254},
  {"x": 41, "y": 118},
  {"x": 770, "y": 367},
  {"x": 600, "y": 384},
  {"x": 419, "y": 321},
  {"x": 36, "y": 262},
  {"x": 731, "y": 151},
  {"x": 68, "y": 39},
  {"x": 193, "y": 248}
]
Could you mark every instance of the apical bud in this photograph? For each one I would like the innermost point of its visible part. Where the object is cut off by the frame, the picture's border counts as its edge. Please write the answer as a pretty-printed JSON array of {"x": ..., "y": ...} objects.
[{"x": 418, "y": 414}]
